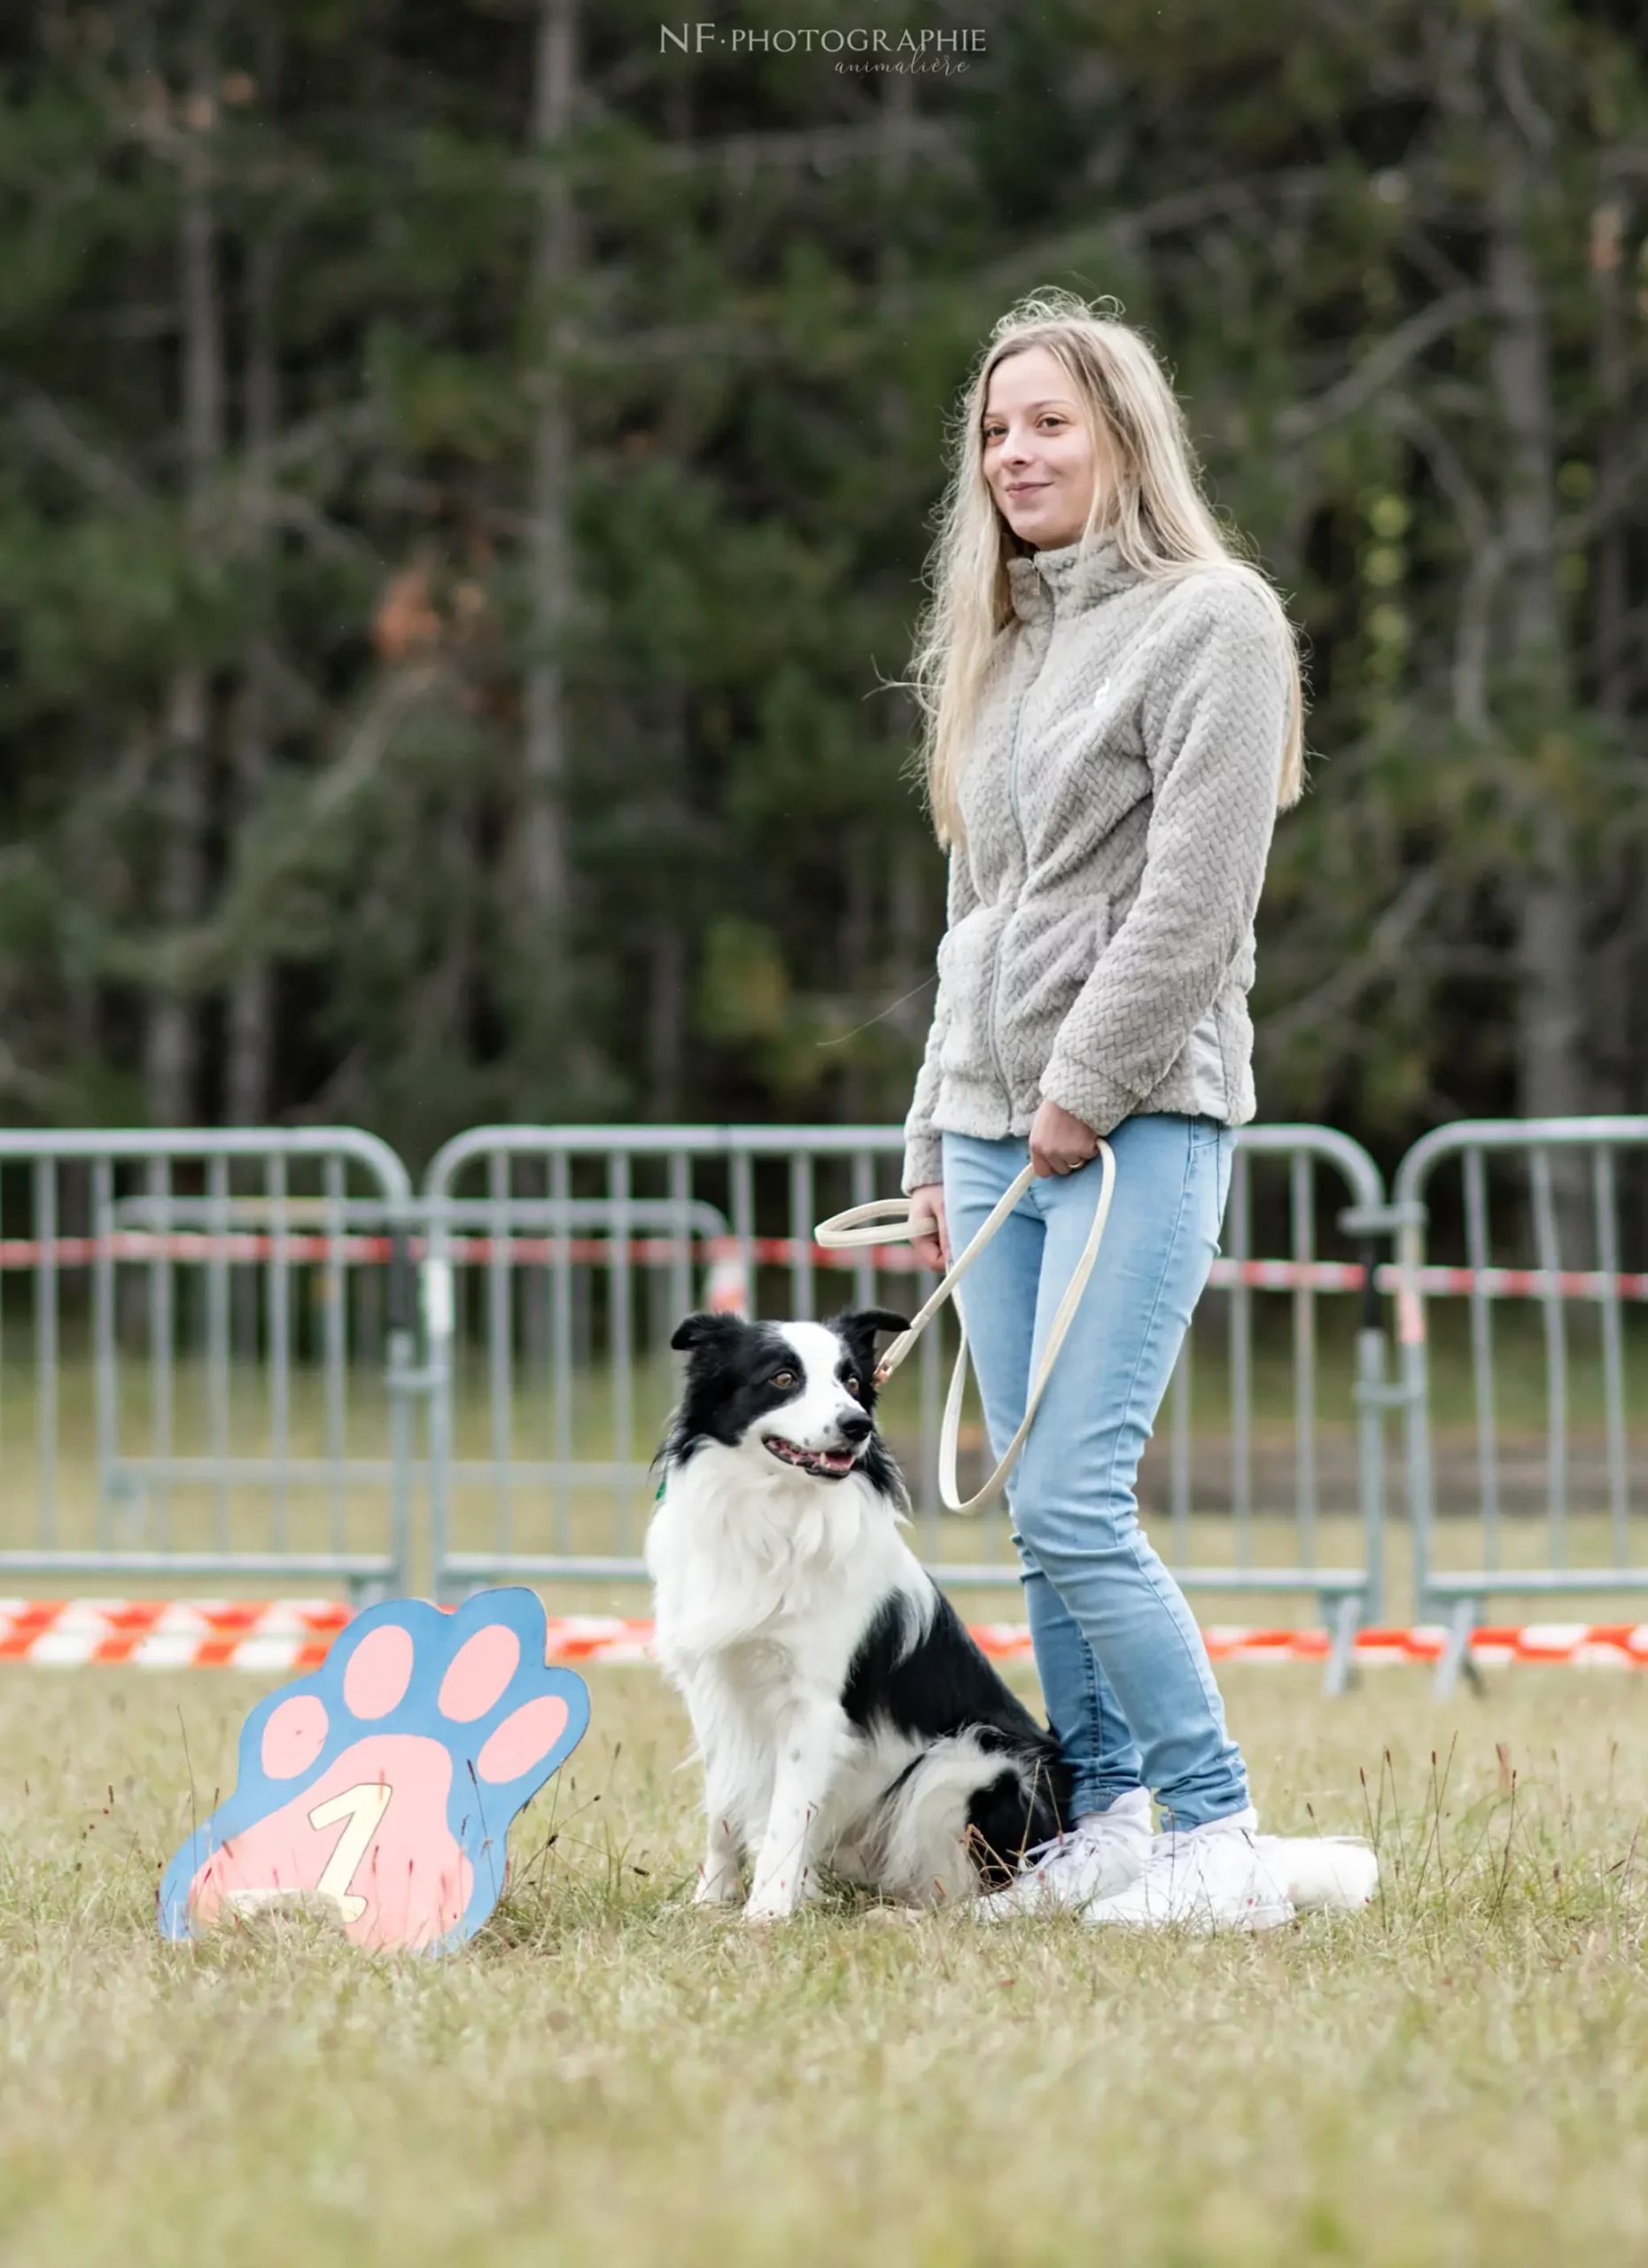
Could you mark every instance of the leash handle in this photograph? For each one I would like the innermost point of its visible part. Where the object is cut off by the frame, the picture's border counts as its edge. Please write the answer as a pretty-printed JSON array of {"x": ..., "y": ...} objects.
[{"x": 892, "y": 1220}]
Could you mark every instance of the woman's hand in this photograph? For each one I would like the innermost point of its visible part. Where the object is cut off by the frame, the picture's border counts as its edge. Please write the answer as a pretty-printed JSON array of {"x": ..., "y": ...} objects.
[
  {"x": 1059, "y": 1142},
  {"x": 934, "y": 1251}
]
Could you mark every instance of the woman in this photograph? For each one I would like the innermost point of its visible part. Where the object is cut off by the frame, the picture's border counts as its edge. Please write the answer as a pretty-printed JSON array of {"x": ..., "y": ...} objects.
[{"x": 1112, "y": 709}]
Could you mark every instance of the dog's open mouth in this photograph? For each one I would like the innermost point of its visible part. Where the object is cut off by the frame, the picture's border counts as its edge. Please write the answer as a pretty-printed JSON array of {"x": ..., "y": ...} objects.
[{"x": 825, "y": 1464}]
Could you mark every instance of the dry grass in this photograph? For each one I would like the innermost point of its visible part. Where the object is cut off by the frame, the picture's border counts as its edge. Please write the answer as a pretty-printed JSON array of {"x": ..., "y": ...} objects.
[{"x": 607, "y": 2077}]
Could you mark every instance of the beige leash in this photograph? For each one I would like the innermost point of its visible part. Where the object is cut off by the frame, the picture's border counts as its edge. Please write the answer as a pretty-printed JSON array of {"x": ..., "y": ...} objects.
[{"x": 889, "y": 1221}]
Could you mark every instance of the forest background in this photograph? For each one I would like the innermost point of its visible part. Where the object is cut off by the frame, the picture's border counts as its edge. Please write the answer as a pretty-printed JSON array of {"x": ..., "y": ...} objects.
[{"x": 465, "y": 479}]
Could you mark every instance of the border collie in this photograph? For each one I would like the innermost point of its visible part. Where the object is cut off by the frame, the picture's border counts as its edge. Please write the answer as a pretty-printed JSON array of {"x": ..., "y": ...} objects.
[{"x": 846, "y": 1720}]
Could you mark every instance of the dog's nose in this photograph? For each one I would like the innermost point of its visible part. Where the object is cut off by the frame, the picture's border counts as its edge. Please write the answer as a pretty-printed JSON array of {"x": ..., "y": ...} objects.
[{"x": 856, "y": 1427}]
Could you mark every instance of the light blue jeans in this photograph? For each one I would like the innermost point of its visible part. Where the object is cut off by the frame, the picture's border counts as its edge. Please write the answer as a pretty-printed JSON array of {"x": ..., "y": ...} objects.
[{"x": 1129, "y": 1688}]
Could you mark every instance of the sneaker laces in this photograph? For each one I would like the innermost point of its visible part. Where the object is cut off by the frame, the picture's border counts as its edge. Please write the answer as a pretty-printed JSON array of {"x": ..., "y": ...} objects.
[
  {"x": 1081, "y": 1836},
  {"x": 1179, "y": 1857}
]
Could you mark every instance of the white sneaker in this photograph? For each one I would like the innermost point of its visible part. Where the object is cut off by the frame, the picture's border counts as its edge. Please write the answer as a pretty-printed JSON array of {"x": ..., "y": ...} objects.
[
  {"x": 1211, "y": 1877},
  {"x": 1100, "y": 1855}
]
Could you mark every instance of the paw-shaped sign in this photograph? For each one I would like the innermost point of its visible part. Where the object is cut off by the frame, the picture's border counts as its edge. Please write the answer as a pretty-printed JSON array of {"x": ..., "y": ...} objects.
[{"x": 381, "y": 1787}]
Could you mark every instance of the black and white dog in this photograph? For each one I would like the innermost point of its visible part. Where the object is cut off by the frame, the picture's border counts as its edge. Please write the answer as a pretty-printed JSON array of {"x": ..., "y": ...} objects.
[{"x": 846, "y": 1720}]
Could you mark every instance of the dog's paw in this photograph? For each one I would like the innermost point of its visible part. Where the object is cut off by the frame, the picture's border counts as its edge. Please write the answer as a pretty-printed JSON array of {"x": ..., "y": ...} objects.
[
  {"x": 777, "y": 1901},
  {"x": 716, "y": 1889},
  {"x": 380, "y": 1790}
]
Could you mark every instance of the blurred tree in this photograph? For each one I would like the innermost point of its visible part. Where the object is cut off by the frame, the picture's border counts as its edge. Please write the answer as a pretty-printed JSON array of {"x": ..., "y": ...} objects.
[{"x": 464, "y": 480}]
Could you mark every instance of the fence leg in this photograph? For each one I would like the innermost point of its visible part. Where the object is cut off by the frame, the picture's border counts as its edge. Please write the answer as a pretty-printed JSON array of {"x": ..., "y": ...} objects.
[
  {"x": 1456, "y": 1654},
  {"x": 1374, "y": 1398},
  {"x": 1346, "y": 1617}
]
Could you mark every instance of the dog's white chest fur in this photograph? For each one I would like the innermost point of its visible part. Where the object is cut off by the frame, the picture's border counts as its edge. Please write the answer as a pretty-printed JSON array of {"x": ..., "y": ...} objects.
[{"x": 762, "y": 1562}]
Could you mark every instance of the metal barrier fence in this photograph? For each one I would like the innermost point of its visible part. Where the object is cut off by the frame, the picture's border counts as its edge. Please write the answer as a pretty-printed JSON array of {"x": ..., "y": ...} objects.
[
  {"x": 208, "y": 1355},
  {"x": 550, "y": 1291},
  {"x": 1557, "y": 1182},
  {"x": 179, "y": 1313}
]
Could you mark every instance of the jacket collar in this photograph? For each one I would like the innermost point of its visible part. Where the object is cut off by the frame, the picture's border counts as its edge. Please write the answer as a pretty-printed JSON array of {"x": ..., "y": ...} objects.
[{"x": 1068, "y": 580}]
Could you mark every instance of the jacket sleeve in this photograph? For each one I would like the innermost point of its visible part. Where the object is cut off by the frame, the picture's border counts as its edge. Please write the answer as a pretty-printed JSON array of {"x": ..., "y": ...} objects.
[
  {"x": 1214, "y": 723},
  {"x": 923, "y": 1155}
]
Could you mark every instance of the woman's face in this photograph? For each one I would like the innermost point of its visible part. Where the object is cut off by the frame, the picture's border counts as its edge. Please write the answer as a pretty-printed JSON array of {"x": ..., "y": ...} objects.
[{"x": 1040, "y": 459}]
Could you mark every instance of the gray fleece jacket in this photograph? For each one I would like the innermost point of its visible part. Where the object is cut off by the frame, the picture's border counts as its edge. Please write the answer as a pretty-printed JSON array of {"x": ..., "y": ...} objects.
[{"x": 1118, "y": 806}]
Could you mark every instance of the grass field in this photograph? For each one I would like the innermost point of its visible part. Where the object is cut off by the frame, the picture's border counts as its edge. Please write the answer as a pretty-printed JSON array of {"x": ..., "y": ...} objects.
[{"x": 606, "y": 2077}]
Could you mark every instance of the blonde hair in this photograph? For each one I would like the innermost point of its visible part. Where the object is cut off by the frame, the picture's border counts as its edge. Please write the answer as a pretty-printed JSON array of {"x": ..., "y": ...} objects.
[{"x": 1155, "y": 511}]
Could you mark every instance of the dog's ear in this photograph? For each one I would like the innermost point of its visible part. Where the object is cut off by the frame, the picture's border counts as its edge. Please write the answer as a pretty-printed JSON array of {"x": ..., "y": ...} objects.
[
  {"x": 862, "y": 1326},
  {"x": 706, "y": 1329}
]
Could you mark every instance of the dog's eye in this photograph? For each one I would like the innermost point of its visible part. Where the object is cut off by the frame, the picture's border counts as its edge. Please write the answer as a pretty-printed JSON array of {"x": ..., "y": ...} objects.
[
  {"x": 851, "y": 1384},
  {"x": 783, "y": 1378}
]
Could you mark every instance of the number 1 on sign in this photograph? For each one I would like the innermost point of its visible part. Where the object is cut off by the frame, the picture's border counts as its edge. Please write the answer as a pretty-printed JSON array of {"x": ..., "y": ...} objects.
[{"x": 363, "y": 1808}]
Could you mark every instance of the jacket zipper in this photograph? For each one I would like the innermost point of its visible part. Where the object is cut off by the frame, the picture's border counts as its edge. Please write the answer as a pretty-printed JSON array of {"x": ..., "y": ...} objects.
[{"x": 1013, "y": 805}]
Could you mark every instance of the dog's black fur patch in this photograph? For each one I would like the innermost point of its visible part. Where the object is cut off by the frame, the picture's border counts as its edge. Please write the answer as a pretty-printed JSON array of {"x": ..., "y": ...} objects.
[{"x": 943, "y": 1685}]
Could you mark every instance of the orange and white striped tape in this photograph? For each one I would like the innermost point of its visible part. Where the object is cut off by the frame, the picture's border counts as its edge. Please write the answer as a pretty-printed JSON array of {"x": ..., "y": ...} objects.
[
  {"x": 284, "y": 1634},
  {"x": 294, "y": 1634},
  {"x": 1616, "y": 1645}
]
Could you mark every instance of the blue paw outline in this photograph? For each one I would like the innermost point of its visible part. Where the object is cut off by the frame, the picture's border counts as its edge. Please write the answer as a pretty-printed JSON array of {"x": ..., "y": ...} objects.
[{"x": 478, "y": 1812}]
